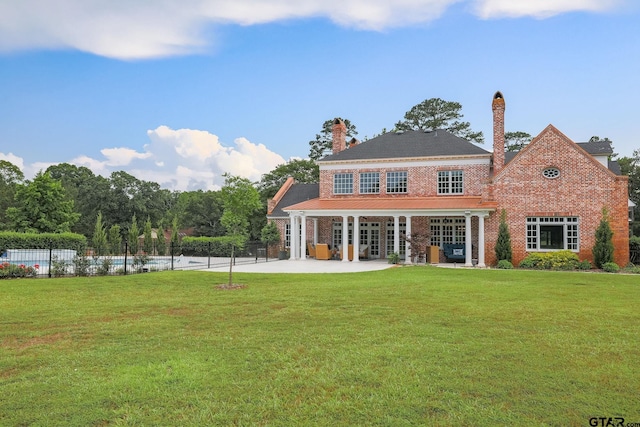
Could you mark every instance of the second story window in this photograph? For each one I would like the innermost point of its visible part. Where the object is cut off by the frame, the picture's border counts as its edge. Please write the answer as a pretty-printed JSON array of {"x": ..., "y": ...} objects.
[
  {"x": 369, "y": 183},
  {"x": 450, "y": 182},
  {"x": 343, "y": 183},
  {"x": 397, "y": 182}
]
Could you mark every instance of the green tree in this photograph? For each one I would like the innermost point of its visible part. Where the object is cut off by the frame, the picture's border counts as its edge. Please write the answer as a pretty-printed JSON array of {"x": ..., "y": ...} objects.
[
  {"x": 10, "y": 177},
  {"x": 435, "y": 113},
  {"x": 147, "y": 245},
  {"x": 89, "y": 192},
  {"x": 603, "y": 247},
  {"x": 270, "y": 234},
  {"x": 134, "y": 233},
  {"x": 303, "y": 171},
  {"x": 503, "y": 244},
  {"x": 240, "y": 200},
  {"x": 323, "y": 142},
  {"x": 201, "y": 210},
  {"x": 175, "y": 237},
  {"x": 161, "y": 243},
  {"x": 516, "y": 141},
  {"x": 115, "y": 240},
  {"x": 630, "y": 166},
  {"x": 99, "y": 239},
  {"x": 41, "y": 207}
]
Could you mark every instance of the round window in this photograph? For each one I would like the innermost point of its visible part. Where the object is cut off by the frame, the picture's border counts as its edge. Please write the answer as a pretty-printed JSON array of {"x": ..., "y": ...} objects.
[{"x": 551, "y": 173}]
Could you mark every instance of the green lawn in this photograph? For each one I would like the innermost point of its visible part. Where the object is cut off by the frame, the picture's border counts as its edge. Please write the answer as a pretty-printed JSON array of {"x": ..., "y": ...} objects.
[{"x": 404, "y": 346}]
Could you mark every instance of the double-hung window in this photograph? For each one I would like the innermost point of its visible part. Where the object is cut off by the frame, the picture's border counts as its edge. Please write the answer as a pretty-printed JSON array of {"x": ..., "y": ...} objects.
[
  {"x": 553, "y": 233},
  {"x": 450, "y": 182},
  {"x": 369, "y": 183},
  {"x": 343, "y": 183},
  {"x": 396, "y": 182}
]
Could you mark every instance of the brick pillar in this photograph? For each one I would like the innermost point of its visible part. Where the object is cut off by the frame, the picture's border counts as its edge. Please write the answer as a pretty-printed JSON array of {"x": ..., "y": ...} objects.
[
  {"x": 498, "y": 133},
  {"x": 339, "y": 136}
]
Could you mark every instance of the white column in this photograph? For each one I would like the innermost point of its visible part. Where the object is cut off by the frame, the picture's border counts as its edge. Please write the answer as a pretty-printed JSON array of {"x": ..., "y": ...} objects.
[
  {"x": 303, "y": 237},
  {"x": 407, "y": 244},
  {"x": 294, "y": 238},
  {"x": 481, "y": 241},
  {"x": 396, "y": 234},
  {"x": 356, "y": 238},
  {"x": 467, "y": 239},
  {"x": 315, "y": 231},
  {"x": 345, "y": 238}
]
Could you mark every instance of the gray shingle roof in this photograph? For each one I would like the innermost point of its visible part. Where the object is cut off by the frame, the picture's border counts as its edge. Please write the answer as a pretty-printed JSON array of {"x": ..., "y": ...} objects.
[
  {"x": 409, "y": 144},
  {"x": 596, "y": 148},
  {"x": 296, "y": 194}
]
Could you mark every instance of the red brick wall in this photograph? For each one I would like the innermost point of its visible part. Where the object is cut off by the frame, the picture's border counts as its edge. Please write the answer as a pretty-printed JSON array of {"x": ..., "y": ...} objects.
[
  {"x": 422, "y": 181},
  {"x": 583, "y": 188}
]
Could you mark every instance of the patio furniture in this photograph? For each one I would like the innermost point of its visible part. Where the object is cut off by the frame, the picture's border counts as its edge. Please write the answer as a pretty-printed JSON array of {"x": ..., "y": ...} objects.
[
  {"x": 364, "y": 252},
  {"x": 312, "y": 250},
  {"x": 322, "y": 251},
  {"x": 454, "y": 251},
  {"x": 349, "y": 252}
]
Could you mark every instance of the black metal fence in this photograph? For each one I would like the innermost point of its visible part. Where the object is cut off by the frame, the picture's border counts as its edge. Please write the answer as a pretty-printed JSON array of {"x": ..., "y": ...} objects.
[{"x": 66, "y": 262}]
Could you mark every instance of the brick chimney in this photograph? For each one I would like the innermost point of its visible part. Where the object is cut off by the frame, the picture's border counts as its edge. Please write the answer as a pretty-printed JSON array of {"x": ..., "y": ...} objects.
[
  {"x": 498, "y": 133},
  {"x": 339, "y": 136}
]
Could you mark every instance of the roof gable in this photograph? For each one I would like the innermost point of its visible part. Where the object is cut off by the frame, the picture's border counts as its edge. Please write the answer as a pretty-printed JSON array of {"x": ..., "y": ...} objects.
[
  {"x": 546, "y": 147},
  {"x": 296, "y": 193},
  {"x": 409, "y": 144}
]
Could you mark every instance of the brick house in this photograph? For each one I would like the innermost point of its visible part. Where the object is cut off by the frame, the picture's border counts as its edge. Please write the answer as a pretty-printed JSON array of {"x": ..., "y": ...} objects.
[{"x": 452, "y": 193}]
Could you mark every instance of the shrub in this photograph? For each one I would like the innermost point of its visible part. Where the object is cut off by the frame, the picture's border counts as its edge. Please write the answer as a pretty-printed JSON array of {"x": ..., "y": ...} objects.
[
  {"x": 58, "y": 267},
  {"x": 610, "y": 267},
  {"x": 584, "y": 265},
  {"x": 394, "y": 258},
  {"x": 558, "y": 260},
  {"x": 632, "y": 269},
  {"x": 503, "y": 245},
  {"x": 603, "y": 247},
  {"x": 13, "y": 271},
  {"x": 505, "y": 264},
  {"x": 104, "y": 266},
  {"x": 81, "y": 264}
]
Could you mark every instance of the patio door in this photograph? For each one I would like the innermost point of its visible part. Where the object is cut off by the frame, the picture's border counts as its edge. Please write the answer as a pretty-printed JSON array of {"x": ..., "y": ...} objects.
[{"x": 370, "y": 235}]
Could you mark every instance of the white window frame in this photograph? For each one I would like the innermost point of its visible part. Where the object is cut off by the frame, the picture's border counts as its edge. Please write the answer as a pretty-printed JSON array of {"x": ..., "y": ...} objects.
[
  {"x": 451, "y": 182},
  {"x": 287, "y": 235},
  {"x": 343, "y": 183},
  {"x": 397, "y": 182},
  {"x": 570, "y": 233},
  {"x": 369, "y": 182}
]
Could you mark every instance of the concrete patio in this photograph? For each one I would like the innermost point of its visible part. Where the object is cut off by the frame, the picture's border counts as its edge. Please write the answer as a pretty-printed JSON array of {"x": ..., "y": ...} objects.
[{"x": 307, "y": 266}]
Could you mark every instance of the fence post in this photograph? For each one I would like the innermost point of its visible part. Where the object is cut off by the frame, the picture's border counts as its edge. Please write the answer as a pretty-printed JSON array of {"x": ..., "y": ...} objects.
[
  {"x": 126, "y": 253},
  {"x": 208, "y": 254},
  {"x": 266, "y": 252},
  {"x": 50, "y": 256},
  {"x": 171, "y": 250}
]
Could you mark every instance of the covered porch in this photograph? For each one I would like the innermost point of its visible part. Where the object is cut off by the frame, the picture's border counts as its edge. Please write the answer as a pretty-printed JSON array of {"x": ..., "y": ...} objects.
[{"x": 393, "y": 218}]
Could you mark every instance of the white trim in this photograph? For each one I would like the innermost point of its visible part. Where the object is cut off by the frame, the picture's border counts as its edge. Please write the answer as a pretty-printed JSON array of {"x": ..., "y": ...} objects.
[{"x": 405, "y": 163}]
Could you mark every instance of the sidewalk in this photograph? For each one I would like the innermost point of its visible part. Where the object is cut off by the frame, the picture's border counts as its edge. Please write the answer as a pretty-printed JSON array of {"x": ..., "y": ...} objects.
[{"x": 307, "y": 266}]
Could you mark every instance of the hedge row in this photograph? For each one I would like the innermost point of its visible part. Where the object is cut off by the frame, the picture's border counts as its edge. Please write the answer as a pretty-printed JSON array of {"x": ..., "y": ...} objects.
[
  {"x": 14, "y": 240},
  {"x": 210, "y": 246}
]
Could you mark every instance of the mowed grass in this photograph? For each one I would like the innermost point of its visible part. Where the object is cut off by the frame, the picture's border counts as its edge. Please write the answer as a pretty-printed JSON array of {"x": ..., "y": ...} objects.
[{"x": 404, "y": 346}]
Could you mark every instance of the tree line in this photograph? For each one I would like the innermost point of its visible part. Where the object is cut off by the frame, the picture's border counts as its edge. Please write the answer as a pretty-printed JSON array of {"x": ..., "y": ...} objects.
[{"x": 72, "y": 198}]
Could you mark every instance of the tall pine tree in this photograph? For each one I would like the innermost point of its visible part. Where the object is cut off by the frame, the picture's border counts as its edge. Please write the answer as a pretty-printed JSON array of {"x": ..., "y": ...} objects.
[
  {"x": 603, "y": 247},
  {"x": 503, "y": 245}
]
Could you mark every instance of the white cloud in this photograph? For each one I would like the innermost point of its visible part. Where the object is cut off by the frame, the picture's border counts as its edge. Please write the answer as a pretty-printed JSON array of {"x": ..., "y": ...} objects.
[
  {"x": 128, "y": 29},
  {"x": 539, "y": 8},
  {"x": 12, "y": 158},
  {"x": 122, "y": 156}
]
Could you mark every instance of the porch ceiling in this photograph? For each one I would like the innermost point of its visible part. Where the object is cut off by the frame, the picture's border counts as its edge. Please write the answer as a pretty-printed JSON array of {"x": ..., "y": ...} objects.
[{"x": 419, "y": 206}]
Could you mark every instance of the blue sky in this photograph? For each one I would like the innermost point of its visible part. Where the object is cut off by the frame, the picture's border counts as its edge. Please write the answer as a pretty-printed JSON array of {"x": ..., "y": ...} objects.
[{"x": 182, "y": 91}]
